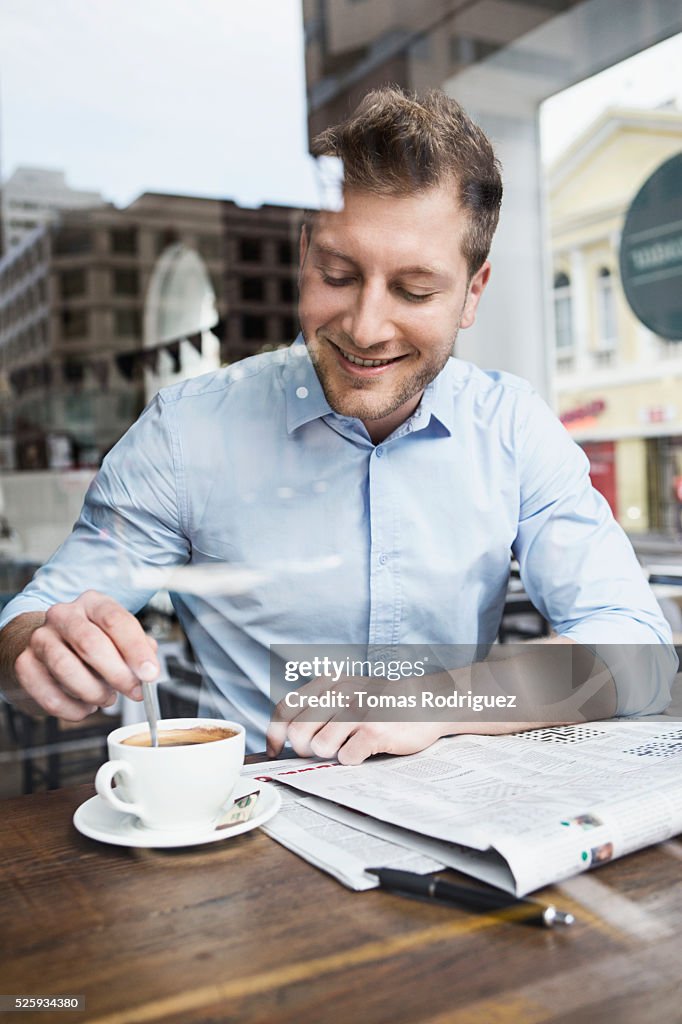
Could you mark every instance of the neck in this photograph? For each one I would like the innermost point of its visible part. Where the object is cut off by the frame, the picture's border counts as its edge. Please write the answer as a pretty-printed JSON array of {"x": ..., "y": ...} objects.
[{"x": 380, "y": 429}]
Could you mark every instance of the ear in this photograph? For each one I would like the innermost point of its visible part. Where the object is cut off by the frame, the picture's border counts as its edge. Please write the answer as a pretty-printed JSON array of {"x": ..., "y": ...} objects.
[{"x": 476, "y": 288}]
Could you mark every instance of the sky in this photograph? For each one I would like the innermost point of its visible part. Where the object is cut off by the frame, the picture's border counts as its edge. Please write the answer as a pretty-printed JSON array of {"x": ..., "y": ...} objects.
[
  {"x": 206, "y": 97},
  {"x": 647, "y": 80}
]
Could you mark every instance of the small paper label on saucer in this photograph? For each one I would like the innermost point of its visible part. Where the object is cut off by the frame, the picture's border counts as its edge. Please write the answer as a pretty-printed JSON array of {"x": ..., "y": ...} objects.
[{"x": 240, "y": 811}]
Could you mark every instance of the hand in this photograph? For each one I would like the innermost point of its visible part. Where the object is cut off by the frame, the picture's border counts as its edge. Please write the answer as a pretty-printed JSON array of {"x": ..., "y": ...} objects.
[
  {"x": 83, "y": 654},
  {"x": 344, "y": 734}
]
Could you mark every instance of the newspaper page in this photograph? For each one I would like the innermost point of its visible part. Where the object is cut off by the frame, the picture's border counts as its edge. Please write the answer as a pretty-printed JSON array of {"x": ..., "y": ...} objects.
[
  {"x": 548, "y": 803},
  {"x": 486, "y": 865},
  {"x": 340, "y": 847}
]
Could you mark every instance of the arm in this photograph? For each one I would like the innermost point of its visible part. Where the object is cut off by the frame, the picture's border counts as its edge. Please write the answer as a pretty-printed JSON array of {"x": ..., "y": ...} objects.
[
  {"x": 579, "y": 569},
  {"x": 613, "y": 654},
  {"x": 66, "y": 646},
  {"x": 14, "y": 638}
]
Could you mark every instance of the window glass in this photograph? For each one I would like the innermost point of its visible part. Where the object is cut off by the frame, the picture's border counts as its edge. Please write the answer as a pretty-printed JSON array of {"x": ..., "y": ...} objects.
[
  {"x": 155, "y": 176},
  {"x": 252, "y": 288},
  {"x": 125, "y": 281},
  {"x": 71, "y": 241},
  {"x": 127, "y": 323},
  {"x": 72, "y": 283},
  {"x": 123, "y": 241},
  {"x": 74, "y": 323},
  {"x": 253, "y": 327},
  {"x": 606, "y": 311},
  {"x": 286, "y": 289},
  {"x": 615, "y": 379},
  {"x": 250, "y": 250}
]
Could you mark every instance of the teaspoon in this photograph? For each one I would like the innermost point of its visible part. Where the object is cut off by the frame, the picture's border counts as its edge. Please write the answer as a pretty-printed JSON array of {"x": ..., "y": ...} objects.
[{"x": 151, "y": 712}]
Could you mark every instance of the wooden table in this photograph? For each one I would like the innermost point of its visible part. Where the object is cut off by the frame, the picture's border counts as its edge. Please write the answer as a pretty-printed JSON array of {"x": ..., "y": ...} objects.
[{"x": 244, "y": 931}]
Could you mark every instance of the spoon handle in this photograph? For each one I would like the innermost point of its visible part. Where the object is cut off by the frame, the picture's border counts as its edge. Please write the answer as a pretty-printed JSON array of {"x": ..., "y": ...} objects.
[{"x": 150, "y": 710}]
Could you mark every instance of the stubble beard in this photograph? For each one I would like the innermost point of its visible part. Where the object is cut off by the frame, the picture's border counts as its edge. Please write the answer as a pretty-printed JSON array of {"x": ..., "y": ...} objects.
[{"x": 363, "y": 402}]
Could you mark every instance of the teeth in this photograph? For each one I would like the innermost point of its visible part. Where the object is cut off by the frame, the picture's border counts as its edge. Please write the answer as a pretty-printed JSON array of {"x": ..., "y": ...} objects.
[{"x": 366, "y": 362}]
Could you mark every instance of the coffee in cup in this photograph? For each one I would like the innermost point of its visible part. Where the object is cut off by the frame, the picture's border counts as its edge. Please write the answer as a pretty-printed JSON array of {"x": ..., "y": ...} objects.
[
  {"x": 180, "y": 737},
  {"x": 181, "y": 785}
]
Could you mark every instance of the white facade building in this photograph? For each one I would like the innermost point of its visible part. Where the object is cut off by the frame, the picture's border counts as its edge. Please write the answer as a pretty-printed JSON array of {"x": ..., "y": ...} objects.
[{"x": 33, "y": 196}]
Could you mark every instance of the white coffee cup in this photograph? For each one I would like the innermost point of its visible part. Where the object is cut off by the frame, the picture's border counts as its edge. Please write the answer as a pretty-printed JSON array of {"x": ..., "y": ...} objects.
[{"x": 173, "y": 788}]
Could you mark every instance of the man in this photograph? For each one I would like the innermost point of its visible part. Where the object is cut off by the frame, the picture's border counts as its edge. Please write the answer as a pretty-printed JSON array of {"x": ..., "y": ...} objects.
[{"x": 375, "y": 484}]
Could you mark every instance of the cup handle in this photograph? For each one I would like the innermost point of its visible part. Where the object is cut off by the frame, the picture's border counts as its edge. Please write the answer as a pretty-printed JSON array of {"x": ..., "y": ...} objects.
[{"x": 103, "y": 781}]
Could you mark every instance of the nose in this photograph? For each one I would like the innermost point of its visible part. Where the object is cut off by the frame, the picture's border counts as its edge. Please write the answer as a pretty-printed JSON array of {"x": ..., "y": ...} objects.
[{"x": 369, "y": 321}]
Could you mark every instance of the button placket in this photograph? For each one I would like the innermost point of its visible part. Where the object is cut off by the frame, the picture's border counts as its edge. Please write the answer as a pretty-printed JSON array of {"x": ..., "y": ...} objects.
[{"x": 383, "y": 581}]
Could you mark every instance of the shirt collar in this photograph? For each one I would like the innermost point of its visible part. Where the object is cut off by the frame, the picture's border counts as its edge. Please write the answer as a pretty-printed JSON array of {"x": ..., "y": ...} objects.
[
  {"x": 437, "y": 400},
  {"x": 305, "y": 399}
]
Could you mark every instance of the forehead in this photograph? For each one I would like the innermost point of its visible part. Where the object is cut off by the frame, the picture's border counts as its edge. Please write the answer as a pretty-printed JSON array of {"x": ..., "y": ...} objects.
[{"x": 421, "y": 228}]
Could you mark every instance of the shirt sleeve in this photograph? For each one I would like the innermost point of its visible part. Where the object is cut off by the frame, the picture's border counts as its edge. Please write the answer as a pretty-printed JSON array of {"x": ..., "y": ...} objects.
[
  {"x": 579, "y": 568},
  {"x": 130, "y": 525}
]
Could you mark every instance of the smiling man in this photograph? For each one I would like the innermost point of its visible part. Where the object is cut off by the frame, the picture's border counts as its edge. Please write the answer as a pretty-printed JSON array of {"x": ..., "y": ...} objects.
[
  {"x": 380, "y": 327},
  {"x": 377, "y": 485}
]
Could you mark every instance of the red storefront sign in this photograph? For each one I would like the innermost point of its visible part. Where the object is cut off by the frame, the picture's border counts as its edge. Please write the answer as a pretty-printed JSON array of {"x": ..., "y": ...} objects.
[{"x": 602, "y": 456}]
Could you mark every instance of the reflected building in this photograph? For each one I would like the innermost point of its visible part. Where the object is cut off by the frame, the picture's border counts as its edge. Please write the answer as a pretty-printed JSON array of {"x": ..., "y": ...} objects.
[
  {"x": 352, "y": 46},
  {"x": 79, "y": 340},
  {"x": 618, "y": 385},
  {"x": 33, "y": 197}
]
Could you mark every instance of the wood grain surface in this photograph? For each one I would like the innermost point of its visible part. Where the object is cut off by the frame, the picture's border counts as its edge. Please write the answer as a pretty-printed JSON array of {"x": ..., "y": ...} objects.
[{"x": 246, "y": 931}]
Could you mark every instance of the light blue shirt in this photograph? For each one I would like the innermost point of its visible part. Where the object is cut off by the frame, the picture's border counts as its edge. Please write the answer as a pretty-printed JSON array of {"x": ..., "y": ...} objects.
[{"x": 405, "y": 542}]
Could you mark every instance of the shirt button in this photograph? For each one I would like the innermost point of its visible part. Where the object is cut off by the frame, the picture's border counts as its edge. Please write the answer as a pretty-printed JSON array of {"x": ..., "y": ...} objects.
[
  {"x": 380, "y": 452},
  {"x": 383, "y": 559},
  {"x": 301, "y": 392}
]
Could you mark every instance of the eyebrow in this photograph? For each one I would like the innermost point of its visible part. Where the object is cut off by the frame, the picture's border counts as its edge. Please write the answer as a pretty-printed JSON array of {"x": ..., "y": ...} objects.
[{"x": 327, "y": 250}]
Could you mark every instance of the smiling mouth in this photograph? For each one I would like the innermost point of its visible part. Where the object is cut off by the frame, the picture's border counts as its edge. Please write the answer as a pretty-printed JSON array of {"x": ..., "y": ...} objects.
[{"x": 357, "y": 361}]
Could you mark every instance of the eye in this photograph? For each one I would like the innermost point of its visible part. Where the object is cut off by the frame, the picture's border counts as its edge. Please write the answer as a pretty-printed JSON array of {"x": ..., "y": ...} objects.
[
  {"x": 413, "y": 296},
  {"x": 336, "y": 282}
]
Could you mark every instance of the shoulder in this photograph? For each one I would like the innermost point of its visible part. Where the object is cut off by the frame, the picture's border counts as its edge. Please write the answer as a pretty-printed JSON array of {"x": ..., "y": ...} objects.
[
  {"x": 471, "y": 379},
  {"x": 493, "y": 398},
  {"x": 249, "y": 377}
]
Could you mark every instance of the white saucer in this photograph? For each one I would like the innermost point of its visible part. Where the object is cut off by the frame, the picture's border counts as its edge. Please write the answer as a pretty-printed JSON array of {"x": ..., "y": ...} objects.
[{"x": 97, "y": 820}]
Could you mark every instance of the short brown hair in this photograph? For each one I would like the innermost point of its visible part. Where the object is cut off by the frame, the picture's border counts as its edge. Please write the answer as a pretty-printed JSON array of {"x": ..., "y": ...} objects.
[{"x": 398, "y": 143}]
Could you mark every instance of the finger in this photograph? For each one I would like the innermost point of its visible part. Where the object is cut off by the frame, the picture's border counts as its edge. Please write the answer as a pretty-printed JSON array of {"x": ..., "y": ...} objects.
[
  {"x": 108, "y": 699},
  {"x": 137, "y": 650},
  {"x": 284, "y": 713},
  {"x": 301, "y": 733},
  {"x": 66, "y": 668},
  {"x": 363, "y": 743},
  {"x": 126, "y": 633},
  {"x": 91, "y": 644},
  {"x": 330, "y": 738},
  {"x": 275, "y": 738},
  {"x": 39, "y": 685}
]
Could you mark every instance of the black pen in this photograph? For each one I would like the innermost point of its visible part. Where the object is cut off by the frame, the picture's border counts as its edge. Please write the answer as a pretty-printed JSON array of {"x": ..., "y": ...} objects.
[{"x": 502, "y": 904}]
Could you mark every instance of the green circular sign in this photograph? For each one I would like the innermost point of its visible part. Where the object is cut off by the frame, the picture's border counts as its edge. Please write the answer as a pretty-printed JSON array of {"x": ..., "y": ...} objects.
[{"x": 651, "y": 251}]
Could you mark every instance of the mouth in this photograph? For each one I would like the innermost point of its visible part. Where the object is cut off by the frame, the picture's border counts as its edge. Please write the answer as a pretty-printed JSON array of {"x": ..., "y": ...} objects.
[{"x": 358, "y": 364}]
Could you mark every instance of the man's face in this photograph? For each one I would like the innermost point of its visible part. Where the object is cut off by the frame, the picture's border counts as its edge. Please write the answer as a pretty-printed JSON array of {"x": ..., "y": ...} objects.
[{"x": 384, "y": 282}]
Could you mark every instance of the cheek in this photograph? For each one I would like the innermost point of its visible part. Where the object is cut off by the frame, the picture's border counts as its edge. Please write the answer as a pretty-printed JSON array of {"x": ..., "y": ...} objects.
[
  {"x": 432, "y": 329},
  {"x": 318, "y": 305}
]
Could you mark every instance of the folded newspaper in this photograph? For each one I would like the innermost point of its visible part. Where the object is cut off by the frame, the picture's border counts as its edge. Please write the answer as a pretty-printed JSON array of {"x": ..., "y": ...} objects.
[
  {"x": 335, "y": 840},
  {"x": 520, "y": 811}
]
